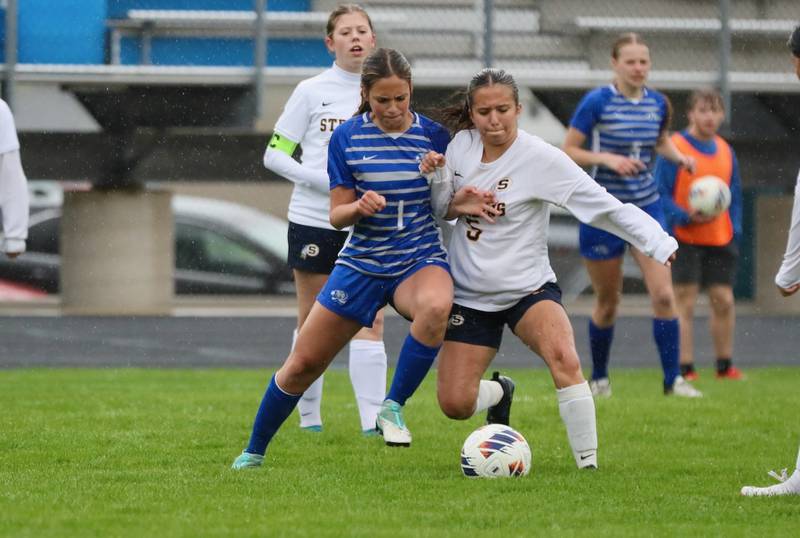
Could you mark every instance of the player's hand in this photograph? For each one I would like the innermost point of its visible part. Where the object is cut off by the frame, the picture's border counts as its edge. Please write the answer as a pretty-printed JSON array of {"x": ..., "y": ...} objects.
[
  {"x": 688, "y": 162},
  {"x": 430, "y": 162},
  {"x": 624, "y": 166},
  {"x": 370, "y": 203},
  {"x": 472, "y": 201},
  {"x": 791, "y": 290},
  {"x": 699, "y": 217}
]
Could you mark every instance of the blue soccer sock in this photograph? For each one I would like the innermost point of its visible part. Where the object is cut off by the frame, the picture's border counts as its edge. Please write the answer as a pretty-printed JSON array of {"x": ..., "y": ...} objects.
[
  {"x": 667, "y": 335},
  {"x": 275, "y": 408},
  {"x": 600, "y": 344},
  {"x": 413, "y": 364}
]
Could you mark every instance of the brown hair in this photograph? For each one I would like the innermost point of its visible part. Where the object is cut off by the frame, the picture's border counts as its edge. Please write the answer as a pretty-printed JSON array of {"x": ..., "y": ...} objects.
[
  {"x": 344, "y": 9},
  {"x": 705, "y": 95},
  {"x": 457, "y": 117},
  {"x": 628, "y": 38},
  {"x": 381, "y": 63}
]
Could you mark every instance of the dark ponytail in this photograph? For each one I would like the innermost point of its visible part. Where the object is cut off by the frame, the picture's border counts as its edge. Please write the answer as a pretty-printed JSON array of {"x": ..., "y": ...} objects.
[{"x": 457, "y": 117}]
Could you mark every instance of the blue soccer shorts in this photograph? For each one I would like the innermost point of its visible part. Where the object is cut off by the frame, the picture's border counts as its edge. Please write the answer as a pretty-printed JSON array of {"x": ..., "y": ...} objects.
[
  {"x": 597, "y": 244},
  {"x": 354, "y": 295}
]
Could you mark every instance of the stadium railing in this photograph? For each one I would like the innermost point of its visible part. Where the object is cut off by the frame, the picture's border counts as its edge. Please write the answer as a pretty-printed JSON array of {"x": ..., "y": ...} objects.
[{"x": 683, "y": 25}]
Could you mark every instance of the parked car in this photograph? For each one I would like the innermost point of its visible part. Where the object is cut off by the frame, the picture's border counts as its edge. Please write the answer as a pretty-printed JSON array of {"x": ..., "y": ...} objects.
[{"x": 220, "y": 248}]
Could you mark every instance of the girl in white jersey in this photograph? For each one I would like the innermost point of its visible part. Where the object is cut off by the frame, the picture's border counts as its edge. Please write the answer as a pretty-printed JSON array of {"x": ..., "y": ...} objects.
[
  {"x": 788, "y": 282},
  {"x": 315, "y": 108},
  {"x": 626, "y": 123},
  {"x": 13, "y": 187},
  {"x": 501, "y": 271}
]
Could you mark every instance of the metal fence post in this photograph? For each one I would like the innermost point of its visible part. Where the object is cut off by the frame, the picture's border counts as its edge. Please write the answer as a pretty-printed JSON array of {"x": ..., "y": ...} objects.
[
  {"x": 488, "y": 33},
  {"x": 9, "y": 78},
  {"x": 260, "y": 58},
  {"x": 725, "y": 60}
]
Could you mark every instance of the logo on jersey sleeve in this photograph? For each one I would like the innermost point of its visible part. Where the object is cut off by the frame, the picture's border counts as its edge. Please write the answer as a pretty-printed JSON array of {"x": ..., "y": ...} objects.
[{"x": 309, "y": 251}]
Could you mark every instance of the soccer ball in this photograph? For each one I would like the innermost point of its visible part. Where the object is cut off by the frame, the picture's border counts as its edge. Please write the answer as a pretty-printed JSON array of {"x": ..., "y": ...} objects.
[
  {"x": 495, "y": 450},
  {"x": 709, "y": 195}
]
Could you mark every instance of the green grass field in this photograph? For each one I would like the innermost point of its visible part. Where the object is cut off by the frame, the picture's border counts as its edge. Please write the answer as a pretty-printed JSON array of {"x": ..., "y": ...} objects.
[{"x": 147, "y": 453}]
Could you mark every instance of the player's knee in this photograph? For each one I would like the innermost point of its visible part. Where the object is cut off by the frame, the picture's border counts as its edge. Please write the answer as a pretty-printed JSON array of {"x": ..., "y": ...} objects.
[
  {"x": 663, "y": 300},
  {"x": 564, "y": 361},
  {"x": 456, "y": 407},
  {"x": 606, "y": 312}
]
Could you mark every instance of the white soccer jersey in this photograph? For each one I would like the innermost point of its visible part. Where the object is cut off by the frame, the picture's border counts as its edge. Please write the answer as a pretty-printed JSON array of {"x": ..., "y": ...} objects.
[
  {"x": 315, "y": 108},
  {"x": 8, "y": 132},
  {"x": 496, "y": 265},
  {"x": 789, "y": 273}
]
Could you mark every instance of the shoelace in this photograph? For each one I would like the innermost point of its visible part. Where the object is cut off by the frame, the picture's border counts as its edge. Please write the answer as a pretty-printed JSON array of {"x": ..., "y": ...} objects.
[{"x": 783, "y": 477}]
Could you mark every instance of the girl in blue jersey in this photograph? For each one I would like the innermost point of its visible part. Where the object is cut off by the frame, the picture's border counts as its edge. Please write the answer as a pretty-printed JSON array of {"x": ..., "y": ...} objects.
[
  {"x": 626, "y": 123},
  {"x": 393, "y": 254},
  {"x": 317, "y": 105}
]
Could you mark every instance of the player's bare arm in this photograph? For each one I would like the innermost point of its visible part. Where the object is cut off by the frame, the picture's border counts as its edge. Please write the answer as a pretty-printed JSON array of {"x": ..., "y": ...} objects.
[
  {"x": 624, "y": 166},
  {"x": 347, "y": 208}
]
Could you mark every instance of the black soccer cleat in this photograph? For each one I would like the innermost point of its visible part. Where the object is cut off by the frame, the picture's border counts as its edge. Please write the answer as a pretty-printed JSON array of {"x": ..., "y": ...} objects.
[{"x": 501, "y": 412}]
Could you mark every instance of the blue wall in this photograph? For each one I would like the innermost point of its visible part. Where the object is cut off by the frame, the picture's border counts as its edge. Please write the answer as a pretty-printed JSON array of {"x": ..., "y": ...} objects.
[
  {"x": 229, "y": 52},
  {"x": 66, "y": 31},
  {"x": 118, "y": 8}
]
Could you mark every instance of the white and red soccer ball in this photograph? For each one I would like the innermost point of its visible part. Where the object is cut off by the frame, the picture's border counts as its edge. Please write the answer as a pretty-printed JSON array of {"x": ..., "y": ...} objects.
[{"x": 495, "y": 450}]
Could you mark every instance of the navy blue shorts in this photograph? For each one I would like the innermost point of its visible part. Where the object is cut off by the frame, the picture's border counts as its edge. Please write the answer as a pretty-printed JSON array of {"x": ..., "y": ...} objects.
[
  {"x": 597, "y": 244},
  {"x": 357, "y": 296},
  {"x": 312, "y": 249},
  {"x": 480, "y": 328}
]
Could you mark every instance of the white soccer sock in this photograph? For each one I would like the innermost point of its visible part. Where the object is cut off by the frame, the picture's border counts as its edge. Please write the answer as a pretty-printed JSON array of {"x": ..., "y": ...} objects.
[
  {"x": 489, "y": 393},
  {"x": 576, "y": 406},
  {"x": 368, "y": 375},
  {"x": 797, "y": 464},
  {"x": 310, "y": 403}
]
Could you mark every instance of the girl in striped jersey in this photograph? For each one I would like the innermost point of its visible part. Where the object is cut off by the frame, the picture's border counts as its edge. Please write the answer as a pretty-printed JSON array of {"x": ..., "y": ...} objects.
[
  {"x": 393, "y": 254},
  {"x": 627, "y": 123},
  {"x": 502, "y": 272},
  {"x": 315, "y": 108}
]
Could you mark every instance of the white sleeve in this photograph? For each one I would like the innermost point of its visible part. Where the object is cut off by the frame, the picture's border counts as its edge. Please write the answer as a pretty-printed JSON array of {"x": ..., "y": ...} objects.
[
  {"x": 14, "y": 201},
  {"x": 593, "y": 205},
  {"x": 296, "y": 114},
  {"x": 789, "y": 273},
  {"x": 442, "y": 190},
  {"x": 287, "y": 167}
]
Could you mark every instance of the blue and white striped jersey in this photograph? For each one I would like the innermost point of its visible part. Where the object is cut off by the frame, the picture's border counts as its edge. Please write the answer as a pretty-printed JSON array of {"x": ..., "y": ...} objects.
[
  {"x": 615, "y": 124},
  {"x": 363, "y": 157}
]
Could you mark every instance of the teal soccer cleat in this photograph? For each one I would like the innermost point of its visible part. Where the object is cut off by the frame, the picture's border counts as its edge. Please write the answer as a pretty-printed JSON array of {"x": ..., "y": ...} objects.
[{"x": 245, "y": 460}]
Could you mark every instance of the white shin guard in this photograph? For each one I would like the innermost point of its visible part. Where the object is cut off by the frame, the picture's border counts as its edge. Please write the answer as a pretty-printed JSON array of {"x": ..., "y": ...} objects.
[
  {"x": 368, "y": 375},
  {"x": 576, "y": 406}
]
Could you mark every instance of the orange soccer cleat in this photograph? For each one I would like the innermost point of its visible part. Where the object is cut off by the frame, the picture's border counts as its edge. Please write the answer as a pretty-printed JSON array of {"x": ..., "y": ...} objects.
[{"x": 731, "y": 373}]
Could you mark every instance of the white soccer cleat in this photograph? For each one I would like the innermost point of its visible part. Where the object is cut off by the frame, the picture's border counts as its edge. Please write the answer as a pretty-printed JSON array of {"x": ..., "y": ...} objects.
[
  {"x": 787, "y": 486},
  {"x": 683, "y": 388},
  {"x": 601, "y": 388},
  {"x": 391, "y": 425}
]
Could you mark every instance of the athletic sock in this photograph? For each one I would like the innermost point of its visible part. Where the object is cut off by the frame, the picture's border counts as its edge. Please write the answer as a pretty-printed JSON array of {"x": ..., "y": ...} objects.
[
  {"x": 600, "y": 344},
  {"x": 412, "y": 365},
  {"x": 489, "y": 393},
  {"x": 576, "y": 407},
  {"x": 310, "y": 403},
  {"x": 723, "y": 365},
  {"x": 667, "y": 336},
  {"x": 367, "y": 368},
  {"x": 275, "y": 408},
  {"x": 797, "y": 463},
  {"x": 687, "y": 369}
]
